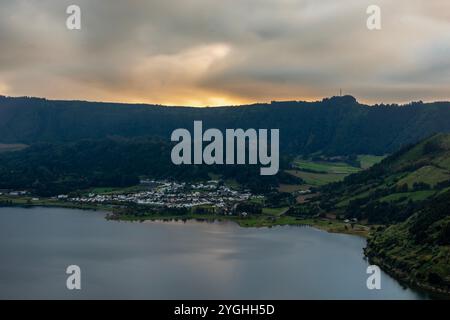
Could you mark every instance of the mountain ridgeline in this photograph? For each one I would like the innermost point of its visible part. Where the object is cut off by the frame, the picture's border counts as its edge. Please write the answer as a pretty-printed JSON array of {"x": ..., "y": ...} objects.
[{"x": 334, "y": 126}]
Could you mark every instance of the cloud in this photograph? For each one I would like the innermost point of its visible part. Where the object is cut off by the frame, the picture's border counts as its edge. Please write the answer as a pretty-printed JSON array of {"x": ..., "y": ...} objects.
[{"x": 210, "y": 52}]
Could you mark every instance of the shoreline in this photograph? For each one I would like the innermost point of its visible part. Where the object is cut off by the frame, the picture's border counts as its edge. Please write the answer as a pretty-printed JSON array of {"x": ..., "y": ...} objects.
[
  {"x": 252, "y": 222},
  {"x": 403, "y": 278},
  {"x": 255, "y": 221},
  {"x": 323, "y": 224}
]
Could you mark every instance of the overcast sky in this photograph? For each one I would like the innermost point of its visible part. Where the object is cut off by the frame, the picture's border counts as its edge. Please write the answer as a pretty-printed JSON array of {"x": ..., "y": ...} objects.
[{"x": 221, "y": 52}]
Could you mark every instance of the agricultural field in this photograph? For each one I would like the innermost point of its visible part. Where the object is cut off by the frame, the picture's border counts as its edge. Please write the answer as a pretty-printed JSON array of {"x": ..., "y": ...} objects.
[
  {"x": 429, "y": 174},
  {"x": 326, "y": 167},
  {"x": 317, "y": 179},
  {"x": 368, "y": 161},
  {"x": 318, "y": 173},
  {"x": 413, "y": 196}
]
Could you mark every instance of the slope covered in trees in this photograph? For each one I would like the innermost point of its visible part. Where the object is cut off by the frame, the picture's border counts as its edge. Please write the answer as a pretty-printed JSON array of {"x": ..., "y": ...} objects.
[
  {"x": 394, "y": 189},
  {"x": 417, "y": 250},
  {"x": 49, "y": 169},
  {"x": 339, "y": 125}
]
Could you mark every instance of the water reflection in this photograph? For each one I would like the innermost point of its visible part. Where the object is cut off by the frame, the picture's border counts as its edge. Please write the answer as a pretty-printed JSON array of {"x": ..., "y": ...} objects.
[{"x": 178, "y": 260}]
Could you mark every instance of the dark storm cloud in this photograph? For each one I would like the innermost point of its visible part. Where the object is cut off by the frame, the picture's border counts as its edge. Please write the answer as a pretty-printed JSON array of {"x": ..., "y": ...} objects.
[{"x": 207, "y": 52}]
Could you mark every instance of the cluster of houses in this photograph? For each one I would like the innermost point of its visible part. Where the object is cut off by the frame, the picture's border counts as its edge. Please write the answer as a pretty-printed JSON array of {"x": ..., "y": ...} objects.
[
  {"x": 13, "y": 193},
  {"x": 172, "y": 195}
]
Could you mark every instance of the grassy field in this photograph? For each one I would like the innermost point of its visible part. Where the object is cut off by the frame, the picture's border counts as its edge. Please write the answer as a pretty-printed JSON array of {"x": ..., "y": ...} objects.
[
  {"x": 319, "y": 173},
  {"x": 274, "y": 211},
  {"x": 414, "y": 196},
  {"x": 326, "y": 167},
  {"x": 429, "y": 174},
  {"x": 316, "y": 179},
  {"x": 368, "y": 161}
]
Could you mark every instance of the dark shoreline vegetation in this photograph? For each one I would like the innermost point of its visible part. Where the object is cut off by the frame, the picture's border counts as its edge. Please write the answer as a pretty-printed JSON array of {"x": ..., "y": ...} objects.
[{"x": 333, "y": 174}]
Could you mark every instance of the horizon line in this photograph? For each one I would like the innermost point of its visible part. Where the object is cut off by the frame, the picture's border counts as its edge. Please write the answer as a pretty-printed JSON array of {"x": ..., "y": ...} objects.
[{"x": 406, "y": 103}]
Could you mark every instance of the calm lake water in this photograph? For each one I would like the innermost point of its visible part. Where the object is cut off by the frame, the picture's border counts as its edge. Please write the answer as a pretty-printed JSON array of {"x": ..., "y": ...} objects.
[{"x": 178, "y": 260}]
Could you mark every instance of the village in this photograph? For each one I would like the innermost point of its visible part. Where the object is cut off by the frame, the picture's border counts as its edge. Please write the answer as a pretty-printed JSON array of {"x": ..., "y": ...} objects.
[{"x": 171, "y": 195}]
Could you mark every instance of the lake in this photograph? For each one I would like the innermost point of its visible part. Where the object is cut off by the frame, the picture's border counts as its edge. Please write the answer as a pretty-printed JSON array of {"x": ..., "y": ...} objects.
[{"x": 176, "y": 260}]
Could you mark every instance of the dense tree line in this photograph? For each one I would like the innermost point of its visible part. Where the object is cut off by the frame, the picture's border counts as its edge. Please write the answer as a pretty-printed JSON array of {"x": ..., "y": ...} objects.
[
  {"x": 335, "y": 126},
  {"x": 431, "y": 225},
  {"x": 56, "y": 168}
]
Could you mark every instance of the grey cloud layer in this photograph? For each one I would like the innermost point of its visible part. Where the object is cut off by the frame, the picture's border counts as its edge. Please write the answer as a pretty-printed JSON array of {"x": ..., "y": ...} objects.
[{"x": 217, "y": 52}]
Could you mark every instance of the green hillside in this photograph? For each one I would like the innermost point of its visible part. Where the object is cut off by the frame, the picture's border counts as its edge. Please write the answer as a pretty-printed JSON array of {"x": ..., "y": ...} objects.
[
  {"x": 388, "y": 191},
  {"x": 417, "y": 250},
  {"x": 408, "y": 195}
]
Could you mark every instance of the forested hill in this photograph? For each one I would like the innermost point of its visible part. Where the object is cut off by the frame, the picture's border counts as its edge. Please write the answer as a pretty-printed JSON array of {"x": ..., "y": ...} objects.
[
  {"x": 394, "y": 189},
  {"x": 338, "y": 125},
  {"x": 49, "y": 169}
]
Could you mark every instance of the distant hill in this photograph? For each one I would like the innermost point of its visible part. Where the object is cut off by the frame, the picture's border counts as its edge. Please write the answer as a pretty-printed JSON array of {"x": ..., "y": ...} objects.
[{"x": 334, "y": 126}]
